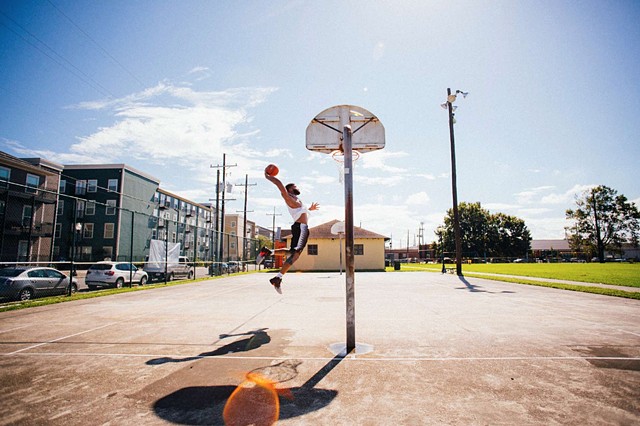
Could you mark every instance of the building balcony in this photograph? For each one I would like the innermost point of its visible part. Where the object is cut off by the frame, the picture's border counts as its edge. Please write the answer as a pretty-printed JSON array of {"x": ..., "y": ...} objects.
[{"x": 36, "y": 230}]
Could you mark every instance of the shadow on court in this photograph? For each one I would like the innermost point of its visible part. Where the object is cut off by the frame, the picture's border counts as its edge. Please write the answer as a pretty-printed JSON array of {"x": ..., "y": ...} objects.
[
  {"x": 204, "y": 405},
  {"x": 257, "y": 338},
  {"x": 476, "y": 288}
]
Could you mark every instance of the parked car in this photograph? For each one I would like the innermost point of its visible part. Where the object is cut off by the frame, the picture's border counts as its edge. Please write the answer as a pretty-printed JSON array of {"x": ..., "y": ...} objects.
[
  {"x": 233, "y": 266},
  {"x": 156, "y": 270},
  {"x": 268, "y": 264},
  {"x": 114, "y": 274},
  {"x": 27, "y": 282}
]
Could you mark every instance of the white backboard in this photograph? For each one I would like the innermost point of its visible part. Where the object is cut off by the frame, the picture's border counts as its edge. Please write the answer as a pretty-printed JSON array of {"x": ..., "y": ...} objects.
[
  {"x": 337, "y": 228},
  {"x": 324, "y": 132}
]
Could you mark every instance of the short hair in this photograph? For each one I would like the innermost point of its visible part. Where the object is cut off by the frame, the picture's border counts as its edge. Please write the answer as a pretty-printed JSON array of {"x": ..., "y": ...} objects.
[{"x": 288, "y": 186}]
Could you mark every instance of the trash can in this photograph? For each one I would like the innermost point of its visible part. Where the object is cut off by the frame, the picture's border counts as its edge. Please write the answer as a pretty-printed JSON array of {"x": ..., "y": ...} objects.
[{"x": 396, "y": 266}]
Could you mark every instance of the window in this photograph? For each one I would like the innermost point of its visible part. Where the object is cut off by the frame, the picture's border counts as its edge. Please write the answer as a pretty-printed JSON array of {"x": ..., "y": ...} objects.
[
  {"x": 27, "y": 213},
  {"x": 23, "y": 250},
  {"x": 107, "y": 252},
  {"x": 58, "y": 232},
  {"x": 5, "y": 174},
  {"x": 233, "y": 223},
  {"x": 358, "y": 249},
  {"x": 109, "y": 230},
  {"x": 113, "y": 185},
  {"x": 85, "y": 252},
  {"x": 88, "y": 230},
  {"x": 63, "y": 186},
  {"x": 173, "y": 237},
  {"x": 90, "y": 208},
  {"x": 81, "y": 187},
  {"x": 60, "y": 210},
  {"x": 312, "y": 249},
  {"x": 110, "y": 209},
  {"x": 33, "y": 182},
  {"x": 2, "y": 207},
  {"x": 80, "y": 208},
  {"x": 92, "y": 185}
]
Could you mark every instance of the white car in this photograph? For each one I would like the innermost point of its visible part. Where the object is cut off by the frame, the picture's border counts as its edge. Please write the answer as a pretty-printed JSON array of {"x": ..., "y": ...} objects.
[{"x": 114, "y": 274}]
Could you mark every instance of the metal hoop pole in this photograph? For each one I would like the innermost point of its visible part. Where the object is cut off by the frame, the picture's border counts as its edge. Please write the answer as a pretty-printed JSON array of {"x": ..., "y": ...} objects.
[{"x": 349, "y": 243}]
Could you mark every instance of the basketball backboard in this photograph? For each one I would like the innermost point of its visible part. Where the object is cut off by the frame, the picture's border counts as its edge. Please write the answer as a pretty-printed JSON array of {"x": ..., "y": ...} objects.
[
  {"x": 324, "y": 133},
  {"x": 337, "y": 228}
]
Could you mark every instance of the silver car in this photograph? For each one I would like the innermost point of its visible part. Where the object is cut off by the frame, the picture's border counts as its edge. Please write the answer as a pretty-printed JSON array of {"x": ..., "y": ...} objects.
[
  {"x": 114, "y": 274},
  {"x": 27, "y": 282}
]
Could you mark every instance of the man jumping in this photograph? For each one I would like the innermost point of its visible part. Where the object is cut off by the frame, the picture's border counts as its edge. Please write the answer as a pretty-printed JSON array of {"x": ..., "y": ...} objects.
[{"x": 299, "y": 229}]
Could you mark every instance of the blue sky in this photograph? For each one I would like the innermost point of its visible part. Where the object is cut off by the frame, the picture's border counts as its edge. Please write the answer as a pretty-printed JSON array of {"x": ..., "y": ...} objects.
[{"x": 169, "y": 86}]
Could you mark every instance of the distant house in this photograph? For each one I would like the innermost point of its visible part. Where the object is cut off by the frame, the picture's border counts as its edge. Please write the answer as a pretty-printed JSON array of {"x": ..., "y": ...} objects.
[
  {"x": 561, "y": 246},
  {"x": 324, "y": 248}
]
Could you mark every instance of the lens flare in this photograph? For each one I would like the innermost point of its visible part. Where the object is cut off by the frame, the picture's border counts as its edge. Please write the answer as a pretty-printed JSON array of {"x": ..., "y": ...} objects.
[{"x": 254, "y": 402}]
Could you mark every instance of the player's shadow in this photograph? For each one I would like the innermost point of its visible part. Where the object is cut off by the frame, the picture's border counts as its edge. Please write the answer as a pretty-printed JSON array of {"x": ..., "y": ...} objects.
[
  {"x": 204, "y": 405},
  {"x": 254, "y": 340},
  {"x": 477, "y": 289}
]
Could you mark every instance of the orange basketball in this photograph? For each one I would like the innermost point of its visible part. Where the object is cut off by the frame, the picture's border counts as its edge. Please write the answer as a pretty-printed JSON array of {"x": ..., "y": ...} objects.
[{"x": 271, "y": 170}]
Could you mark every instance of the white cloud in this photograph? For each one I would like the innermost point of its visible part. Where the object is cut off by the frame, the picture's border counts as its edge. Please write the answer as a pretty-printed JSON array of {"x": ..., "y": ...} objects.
[
  {"x": 169, "y": 124},
  {"x": 418, "y": 198},
  {"x": 379, "y": 160},
  {"x": 378, "y": 51},
  {"x": 567, "y": 197},
  {"x": 527, "y": 196},
  {"x": 500, "y": 207},
  {"x": 427, "y": 176}
]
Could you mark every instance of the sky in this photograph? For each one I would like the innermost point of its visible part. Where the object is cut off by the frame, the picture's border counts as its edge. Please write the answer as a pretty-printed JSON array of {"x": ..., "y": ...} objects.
[{"x": 168, "y": 87}]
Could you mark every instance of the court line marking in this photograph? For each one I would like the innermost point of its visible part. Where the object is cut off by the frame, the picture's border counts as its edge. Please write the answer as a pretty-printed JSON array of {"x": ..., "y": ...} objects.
[
  {"x": 15, "y": 328},
  {"x": 61, "y": 338},
  {"x": 19, "y": 351},
  {"x": 353, "y": 357}
]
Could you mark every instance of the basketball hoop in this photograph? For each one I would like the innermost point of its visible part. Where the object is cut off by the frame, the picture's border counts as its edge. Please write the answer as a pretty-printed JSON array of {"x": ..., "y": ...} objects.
[{"x": 338, "y": 157}]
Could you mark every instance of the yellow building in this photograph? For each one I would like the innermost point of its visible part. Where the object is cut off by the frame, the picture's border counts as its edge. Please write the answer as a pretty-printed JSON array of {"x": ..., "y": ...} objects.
[{"x": 324, "y": 248}]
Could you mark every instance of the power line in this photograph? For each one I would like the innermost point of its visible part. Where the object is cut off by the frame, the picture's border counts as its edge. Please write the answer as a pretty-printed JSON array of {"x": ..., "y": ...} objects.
[
  {"x": 97, "y": 44},
  {"x": 70, "y": 67}
]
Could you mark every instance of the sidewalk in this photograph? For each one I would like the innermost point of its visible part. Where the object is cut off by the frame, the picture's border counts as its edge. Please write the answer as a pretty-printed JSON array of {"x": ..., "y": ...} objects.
[{"x": 550, "y": 280}]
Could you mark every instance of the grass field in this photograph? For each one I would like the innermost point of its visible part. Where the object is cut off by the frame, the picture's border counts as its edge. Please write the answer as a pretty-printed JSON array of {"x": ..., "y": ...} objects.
[{"x": 623, "y": 274}]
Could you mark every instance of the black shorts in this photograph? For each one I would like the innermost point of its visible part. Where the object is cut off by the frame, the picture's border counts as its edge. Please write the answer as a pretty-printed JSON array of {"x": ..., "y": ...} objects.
[{"x": 299, "y": 237}]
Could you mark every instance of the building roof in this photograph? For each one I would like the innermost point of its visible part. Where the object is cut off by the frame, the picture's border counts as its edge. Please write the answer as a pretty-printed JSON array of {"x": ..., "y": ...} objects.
[
  {"x": 550, "y": 244},
  {"x": 324, "y": 231},
  {"x": 10, "y": 160},
  {"x": 111, "y": 167}
]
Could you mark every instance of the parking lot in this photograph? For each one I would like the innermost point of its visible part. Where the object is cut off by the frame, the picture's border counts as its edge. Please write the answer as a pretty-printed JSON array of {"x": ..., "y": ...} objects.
[{"x": 432, "y": 349}]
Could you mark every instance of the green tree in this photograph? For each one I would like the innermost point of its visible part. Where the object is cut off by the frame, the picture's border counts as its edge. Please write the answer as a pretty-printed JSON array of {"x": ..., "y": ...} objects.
[
  {"x": 485, "y": 234},
  {"x": 602, "y": 220}
]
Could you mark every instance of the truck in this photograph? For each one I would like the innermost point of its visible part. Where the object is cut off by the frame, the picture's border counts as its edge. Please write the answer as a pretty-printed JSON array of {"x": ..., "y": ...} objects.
[{"x": 164, "y": 259}]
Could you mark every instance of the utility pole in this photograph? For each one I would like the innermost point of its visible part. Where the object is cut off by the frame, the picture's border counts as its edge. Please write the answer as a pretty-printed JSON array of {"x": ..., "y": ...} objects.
[
  {"x": 454, "y": 185},
  {"x": 420, "y": 240},
  {"x": 244, "y": 226},
  {"x": 273, "y": 227},
  {"x": 224, "y": 174}
]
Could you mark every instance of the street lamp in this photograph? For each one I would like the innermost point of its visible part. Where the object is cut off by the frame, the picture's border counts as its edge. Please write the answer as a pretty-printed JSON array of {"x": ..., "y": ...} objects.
[{"x": 451, "y": 98}]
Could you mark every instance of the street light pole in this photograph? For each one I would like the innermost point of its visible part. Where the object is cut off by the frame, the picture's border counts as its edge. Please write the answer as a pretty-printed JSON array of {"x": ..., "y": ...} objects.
[{"x": 454, "y": 185}]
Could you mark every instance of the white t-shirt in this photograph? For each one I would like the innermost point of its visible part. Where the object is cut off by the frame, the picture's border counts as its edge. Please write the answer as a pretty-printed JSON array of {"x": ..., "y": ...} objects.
[{"x": 298, "y": 211}]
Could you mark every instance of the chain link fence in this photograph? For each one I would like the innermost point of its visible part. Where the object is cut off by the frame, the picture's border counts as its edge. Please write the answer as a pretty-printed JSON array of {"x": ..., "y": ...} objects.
[{"x": 40, "y": 226}]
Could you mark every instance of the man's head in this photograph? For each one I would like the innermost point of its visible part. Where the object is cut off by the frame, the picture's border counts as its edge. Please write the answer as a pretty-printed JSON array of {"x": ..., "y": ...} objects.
[{"x": 292, "y": 189}]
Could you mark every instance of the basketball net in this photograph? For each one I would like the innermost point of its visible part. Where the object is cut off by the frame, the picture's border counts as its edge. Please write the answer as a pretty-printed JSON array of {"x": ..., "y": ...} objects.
[{"x": 338, "y": 157}]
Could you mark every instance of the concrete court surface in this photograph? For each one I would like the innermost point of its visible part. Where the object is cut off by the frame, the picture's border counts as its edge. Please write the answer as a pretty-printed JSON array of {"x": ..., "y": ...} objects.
[{"x": 432, "y": 349}]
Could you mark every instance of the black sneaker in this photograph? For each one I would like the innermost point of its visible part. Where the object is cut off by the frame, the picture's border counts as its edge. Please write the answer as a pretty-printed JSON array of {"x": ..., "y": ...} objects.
[
  {"x": 275, "y": 282},
  {"x": 264, "y": 252}
]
